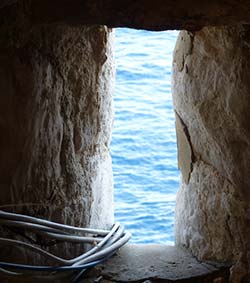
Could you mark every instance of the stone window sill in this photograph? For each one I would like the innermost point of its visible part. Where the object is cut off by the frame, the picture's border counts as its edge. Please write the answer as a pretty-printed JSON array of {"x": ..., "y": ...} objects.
[{"x": 157, "y": 263}]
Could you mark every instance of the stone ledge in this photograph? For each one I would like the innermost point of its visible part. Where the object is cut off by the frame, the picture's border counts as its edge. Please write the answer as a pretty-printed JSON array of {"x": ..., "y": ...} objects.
[{"x": 157, "y": 263}]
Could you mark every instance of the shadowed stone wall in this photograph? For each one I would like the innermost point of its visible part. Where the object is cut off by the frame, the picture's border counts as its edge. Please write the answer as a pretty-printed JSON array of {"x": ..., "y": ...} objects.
[
  {"x": 145, "y": 14},
  {"x": 211, "y": 90},
  {"x": 55, "y": 121},
  {"x": 56, "y": 115}
]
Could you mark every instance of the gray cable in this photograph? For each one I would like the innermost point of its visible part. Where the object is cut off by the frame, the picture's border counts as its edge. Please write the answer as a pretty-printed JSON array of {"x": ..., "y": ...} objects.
[
  {"x": 11, "y": 242},
  {"x": 105, "y": 243},
  {"x": 30, "y": 219},
  {"x": 30, "y": 226}
]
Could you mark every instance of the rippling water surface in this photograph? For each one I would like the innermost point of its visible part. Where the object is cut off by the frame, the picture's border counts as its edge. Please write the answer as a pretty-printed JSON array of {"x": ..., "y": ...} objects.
[{"x": 143, "y": 146}]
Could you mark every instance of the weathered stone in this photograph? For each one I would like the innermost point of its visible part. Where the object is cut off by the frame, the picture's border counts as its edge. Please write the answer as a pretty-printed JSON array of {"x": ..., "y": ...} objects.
[
  {"x": 211, "y": 95},
  {"x": 55, "y": 117},
  {"x": 155, "y": 263},
  {"x": 185, "y": 152},
  {"x": 55, "y": 122},
  {"x": 145, "y": 14},
  {"x": 185, "y": 46}
]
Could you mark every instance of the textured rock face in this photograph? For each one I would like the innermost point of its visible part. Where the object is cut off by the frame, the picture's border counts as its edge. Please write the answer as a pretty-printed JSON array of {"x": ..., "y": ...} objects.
[
  {"x": 159, "y": 263},
  {"x": 145, "y": 14},
  {"x": 55, "y": 121},
  {"x": 211, "y": 96}
]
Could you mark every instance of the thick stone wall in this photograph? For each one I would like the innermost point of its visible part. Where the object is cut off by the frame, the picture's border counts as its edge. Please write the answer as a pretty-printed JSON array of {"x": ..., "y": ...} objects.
[
  {"x": 56, "y": 116},
  {"x": 211, "y": 90},
  {"x": 141, "y": 14},
  {"x": 55, "y": 121}
]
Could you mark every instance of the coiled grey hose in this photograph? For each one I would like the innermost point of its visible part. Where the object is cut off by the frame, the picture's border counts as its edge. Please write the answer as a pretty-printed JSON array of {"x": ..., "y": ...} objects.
[{"x": 105, "y": 244}]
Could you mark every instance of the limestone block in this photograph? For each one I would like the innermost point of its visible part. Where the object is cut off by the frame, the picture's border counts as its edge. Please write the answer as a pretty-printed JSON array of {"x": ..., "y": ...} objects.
[
  {"x": 56, "y": 118},
  {"x": 211, "y": 96},
  {"x": 159, "y": 263},
  {"x": 141, "y": 14},
  {"x": 185, "y": 151}
]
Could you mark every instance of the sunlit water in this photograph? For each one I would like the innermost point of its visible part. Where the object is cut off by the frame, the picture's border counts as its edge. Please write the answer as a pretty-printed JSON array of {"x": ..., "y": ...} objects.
[{"x": 143, "y": 146}]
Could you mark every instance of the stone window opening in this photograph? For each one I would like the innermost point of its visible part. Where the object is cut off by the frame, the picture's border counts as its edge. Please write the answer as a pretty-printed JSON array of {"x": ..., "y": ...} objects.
[
  {"x": 144, "y": 147},
  {"x": 55, "y": 122},
  {"x": 178, "y": 264}
]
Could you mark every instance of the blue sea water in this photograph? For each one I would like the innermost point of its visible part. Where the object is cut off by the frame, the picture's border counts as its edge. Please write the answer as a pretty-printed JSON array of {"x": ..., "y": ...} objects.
[{"x": 143, "y": 147}]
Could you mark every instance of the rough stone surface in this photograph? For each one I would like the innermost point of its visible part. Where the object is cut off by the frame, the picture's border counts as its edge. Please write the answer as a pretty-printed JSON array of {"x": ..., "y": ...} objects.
[
  {"x": 55, "y": 115},
  {"x": 145, "y": 14},
  {"x": 155, "y": 263},
  {"x": 211, "y": 95},
  {"x": 185, "y": 152},
  {"x": 150, "y": 264},
  {"x": 55, "y": 121}
]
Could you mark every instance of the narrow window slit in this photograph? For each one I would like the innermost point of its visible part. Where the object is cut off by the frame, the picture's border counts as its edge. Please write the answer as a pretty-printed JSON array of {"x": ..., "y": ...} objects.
[{"x": 144, "y": 150}]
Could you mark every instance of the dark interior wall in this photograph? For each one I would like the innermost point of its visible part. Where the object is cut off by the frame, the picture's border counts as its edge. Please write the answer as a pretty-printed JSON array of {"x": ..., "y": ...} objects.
[
  {"x": 55, "y": 126},
  {"x": 55, "y": 121},
  {"x": 144, "y": 14}
]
